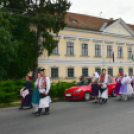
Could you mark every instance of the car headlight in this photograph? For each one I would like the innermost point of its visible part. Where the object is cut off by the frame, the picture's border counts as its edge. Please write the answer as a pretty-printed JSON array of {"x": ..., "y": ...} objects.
[{"x": 78, "y": 90}]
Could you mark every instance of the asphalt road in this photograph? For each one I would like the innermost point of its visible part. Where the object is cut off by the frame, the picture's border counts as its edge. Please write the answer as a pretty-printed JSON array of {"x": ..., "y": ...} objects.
[{"x": 115, "y": 117}]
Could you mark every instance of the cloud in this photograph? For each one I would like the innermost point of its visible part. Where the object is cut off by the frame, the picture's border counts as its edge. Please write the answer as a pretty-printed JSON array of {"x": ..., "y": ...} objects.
[{"x": 110, "y": 8}]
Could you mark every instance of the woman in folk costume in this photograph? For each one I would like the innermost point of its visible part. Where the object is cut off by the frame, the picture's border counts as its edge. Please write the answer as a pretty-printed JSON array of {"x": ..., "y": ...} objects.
[
  {"x": 44, "y": 87},
  {"x": 95, "y": 87},
  {"x": 132, "y": 77},
  {"x": 103, "y": 91},
  {"x": 126, "y": 88},
  {"x": 36, "y": 95},
  {"x": 118, "y": 84},
  {"x": 26, "y": 93}
]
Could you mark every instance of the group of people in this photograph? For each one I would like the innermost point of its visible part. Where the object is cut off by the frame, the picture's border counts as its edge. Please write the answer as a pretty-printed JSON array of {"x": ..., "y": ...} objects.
[
  {"x": 99, "y": 87},
  {"x": 124, "y": 86},
  {"x": 39, "y": 97}
]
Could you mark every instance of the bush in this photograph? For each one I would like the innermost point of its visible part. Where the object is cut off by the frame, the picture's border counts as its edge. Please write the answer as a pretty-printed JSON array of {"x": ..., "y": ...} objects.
[{"x": 10, "y": 89}]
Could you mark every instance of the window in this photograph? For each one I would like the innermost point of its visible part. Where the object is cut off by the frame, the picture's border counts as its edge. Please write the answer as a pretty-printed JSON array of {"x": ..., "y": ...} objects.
[
  {"x": 120, "y": 52},
  {"x": 130, "y": 70},
  {"x": 84, "y": 71},
  {"x": 70, "y": 48},
  {"x": 86, "y": 81},
  {"x": 129, "y": 52},
  {"x": 54, "y": 72},
  {"x": 98, "y": 70},
  {"x": 55, "y": 50},
  {"x": 109, "y": 51},
  {"x": 97, "y": 50},
  {"x": 84, "y": 49},
  {"x": 70, "y": 72},
  {"x": 110, "y": 80},
  {"x": 121, "y": 70},
  {"x": 110, "y": 71}
]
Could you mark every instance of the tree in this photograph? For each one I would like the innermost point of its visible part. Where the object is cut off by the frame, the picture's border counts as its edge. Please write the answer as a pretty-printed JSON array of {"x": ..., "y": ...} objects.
[
  {"x": 47, "y": 15},
  {"x": 17, "y": 43}
]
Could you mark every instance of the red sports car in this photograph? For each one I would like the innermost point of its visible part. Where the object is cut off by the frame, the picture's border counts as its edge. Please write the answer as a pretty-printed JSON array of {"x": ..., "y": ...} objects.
[{"x": 83, "y": 90}]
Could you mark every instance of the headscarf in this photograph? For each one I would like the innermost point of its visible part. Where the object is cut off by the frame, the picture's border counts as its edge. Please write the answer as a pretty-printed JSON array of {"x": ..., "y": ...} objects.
[
  {"x": 96, "y": 75},
  {"x": 30, "y": 77},
  {"x": 125, "y": 79},
  {"x": 120, "y": 73}
]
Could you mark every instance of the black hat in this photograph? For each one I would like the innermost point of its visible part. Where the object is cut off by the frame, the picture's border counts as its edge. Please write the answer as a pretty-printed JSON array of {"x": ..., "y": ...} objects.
[{"x": 42, "y": 69}]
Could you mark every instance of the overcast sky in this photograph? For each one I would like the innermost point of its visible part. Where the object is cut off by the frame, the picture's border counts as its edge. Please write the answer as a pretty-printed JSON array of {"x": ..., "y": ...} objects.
[{"x": 110, "y": 8}]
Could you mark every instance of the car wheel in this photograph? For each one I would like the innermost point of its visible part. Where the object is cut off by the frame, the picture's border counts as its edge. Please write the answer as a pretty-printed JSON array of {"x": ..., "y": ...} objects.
[
  {"x": 113, "y": 95},
  {"x": 87, "y": 96}
]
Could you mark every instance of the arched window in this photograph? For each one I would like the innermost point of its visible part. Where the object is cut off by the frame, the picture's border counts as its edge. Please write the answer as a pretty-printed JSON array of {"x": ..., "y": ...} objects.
[
  {"x": 110, "y": 71},
  {"x": 121, "y": 70},
  {"x": 130, "y": 70},
  {"x": 98, "y": 70}
]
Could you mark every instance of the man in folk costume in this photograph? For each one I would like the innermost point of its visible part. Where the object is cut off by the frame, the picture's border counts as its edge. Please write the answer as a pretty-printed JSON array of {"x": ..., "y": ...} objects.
[
  {"x": 103, "y": 92},
  {"x": 44, "y": 87}
]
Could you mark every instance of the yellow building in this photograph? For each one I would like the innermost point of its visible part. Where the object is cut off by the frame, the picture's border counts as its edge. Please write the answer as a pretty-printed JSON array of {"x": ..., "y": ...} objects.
[{"x": 87, "y": 44}]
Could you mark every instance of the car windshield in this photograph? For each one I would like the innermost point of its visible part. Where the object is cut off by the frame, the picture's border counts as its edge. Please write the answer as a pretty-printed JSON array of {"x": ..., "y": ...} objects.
[{"x": 85, "y": 81}]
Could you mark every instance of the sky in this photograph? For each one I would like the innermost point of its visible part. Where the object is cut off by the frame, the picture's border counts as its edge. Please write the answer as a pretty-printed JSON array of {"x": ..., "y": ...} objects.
[{"x": 110, "y": 8}]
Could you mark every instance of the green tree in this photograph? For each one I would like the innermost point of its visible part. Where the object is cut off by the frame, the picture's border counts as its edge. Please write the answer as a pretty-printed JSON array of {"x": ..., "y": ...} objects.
[
  {"x": 47, "y": 15},
  {"x": 17, "y": 45}
]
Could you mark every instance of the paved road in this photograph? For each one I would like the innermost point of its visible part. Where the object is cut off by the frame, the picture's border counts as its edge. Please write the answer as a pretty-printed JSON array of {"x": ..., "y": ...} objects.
[{"x": 115, "y": 117}]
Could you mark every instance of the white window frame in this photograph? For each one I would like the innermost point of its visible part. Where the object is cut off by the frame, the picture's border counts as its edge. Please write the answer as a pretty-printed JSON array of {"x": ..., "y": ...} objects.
[
  {"x": 82, "y": 70},
  {"x": 127, "y": 52},
  {"x": 112, "y": 70},
  {"x": 99, "y": 68},
  {"x": 122, "y": 51},
  {"x": 122, "y": 69},
  {"x": 100, "y": 50},
  {"x": 58, "y": 49},
  {"x": 87, "y": 49},
  {"x": 73, "y": 45},
  {"x": 67, "y": 72},
  {"x": 130, "y": 68},
  {"x": 107, "y": 51},
  {"x": 51, "y": 72}
]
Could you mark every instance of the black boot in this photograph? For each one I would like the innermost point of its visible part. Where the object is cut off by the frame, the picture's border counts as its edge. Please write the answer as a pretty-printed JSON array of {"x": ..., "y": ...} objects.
[
  {"x": 47, "y": 111},
  {"x": 103, "y": 101},
  {"x": 39, "y": 112}
]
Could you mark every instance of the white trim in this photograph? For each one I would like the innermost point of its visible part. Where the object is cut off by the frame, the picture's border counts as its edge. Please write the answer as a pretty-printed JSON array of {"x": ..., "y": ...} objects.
[
  {"x": 121, "y": 22},
  {"x": 97, "y": 39}
]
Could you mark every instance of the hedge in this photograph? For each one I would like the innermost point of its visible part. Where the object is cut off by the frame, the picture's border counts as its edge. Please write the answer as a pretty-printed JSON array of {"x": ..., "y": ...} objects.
[{"x": 10, "y": 89}]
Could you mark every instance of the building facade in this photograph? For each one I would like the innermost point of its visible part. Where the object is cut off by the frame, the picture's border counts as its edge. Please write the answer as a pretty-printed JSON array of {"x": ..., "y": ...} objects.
[{"x": 87, "y": 45}]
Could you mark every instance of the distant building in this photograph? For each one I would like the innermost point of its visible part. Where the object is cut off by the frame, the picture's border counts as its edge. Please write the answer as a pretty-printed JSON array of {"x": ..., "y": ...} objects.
[{"x": 87, "y": 44}]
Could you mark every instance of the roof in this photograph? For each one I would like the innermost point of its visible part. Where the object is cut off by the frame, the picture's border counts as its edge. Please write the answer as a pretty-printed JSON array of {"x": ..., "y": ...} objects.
[{"x": 88, "y": 22}]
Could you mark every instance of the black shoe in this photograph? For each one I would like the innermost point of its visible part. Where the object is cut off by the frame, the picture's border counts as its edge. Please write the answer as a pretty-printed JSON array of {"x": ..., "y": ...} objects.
[
  {"x": 21, "y": 108},
  {"x": 47, "y": 111},
  {"x": 34, "y": 112},
  {"x": 39, "y": 112}
]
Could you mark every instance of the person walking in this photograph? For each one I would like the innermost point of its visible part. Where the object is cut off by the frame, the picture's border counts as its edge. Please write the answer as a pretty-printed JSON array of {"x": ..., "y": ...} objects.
[
  {"x": 36, "y": 95},
  {"x": 44, "y": 87},
  {"x": 126, "y": 88},
  {"x": 103, "y": 91},
  {"x": 26, "y": 93},
  {"x": 118, "y": 84},
  {"x": 95, "y": 87}
]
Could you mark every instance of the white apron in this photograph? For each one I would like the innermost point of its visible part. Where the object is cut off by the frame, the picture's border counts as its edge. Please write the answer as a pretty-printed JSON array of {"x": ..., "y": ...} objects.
[{"x": 44, "y": 102}]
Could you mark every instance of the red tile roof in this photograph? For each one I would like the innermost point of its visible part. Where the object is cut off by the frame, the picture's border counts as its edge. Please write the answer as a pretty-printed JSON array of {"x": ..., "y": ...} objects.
[{"x": 87, "y": 22}]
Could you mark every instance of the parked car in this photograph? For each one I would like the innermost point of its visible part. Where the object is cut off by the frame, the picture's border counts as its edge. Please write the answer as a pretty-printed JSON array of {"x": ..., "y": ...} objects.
[{"x": 83, "y": 90}]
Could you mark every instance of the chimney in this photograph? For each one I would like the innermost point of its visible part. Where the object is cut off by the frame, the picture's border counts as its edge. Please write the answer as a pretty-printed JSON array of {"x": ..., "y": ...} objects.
[{"x": 111, "y": 19}]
